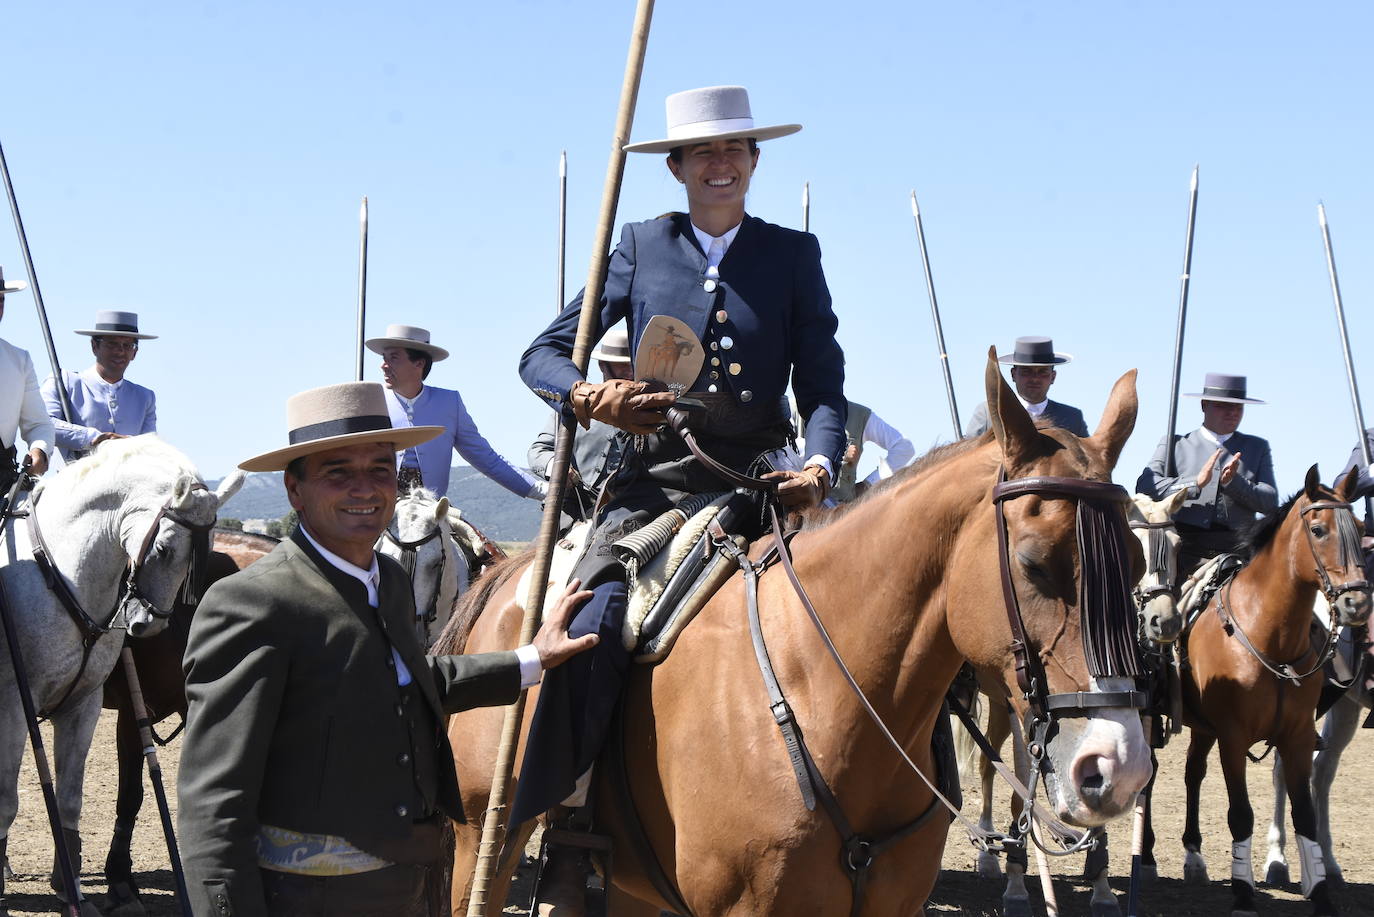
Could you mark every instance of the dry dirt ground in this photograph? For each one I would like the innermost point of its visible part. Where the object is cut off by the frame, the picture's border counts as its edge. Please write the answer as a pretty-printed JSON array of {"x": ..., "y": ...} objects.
[{"x": 959, "y": 891}]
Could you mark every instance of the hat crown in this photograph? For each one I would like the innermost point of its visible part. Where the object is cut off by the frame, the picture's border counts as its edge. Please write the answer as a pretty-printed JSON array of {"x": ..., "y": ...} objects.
[
  {"x": 1034, "y": 345},
  {"x": 345, "y": 404},
  {"x": 713, "y": 103},
  {"x": 1224, "y": 384},
  {"x": 408, "y": 333}
]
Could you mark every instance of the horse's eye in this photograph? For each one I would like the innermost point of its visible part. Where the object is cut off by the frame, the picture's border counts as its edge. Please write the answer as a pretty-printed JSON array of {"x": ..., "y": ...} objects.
[{"x": 1318, "y": 531}]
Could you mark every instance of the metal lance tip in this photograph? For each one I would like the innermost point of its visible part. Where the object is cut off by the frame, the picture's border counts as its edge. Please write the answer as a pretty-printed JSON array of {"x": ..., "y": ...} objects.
[
  {"x": 563, "y": 164},
  {"x": 806, "y": 194},
  {"x": 915, "y": 208},
  {"x": 1193, "y": 185},
  {"x": 362, "y": 213},
  {"x": 1321, "y": 214}
]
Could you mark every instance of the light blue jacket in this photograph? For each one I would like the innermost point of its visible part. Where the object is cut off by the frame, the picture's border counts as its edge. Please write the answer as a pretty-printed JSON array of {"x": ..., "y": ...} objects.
[
  {"x": 442, "y": 407},
  {"x": 99, "y": 407}
]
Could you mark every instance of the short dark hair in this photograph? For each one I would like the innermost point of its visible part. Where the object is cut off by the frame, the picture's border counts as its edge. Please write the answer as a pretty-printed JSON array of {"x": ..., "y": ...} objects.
[
  {"x": 296, "y": 467},
  {"x": 417, "y": 355},
  {"x": 675, "y": 154}
]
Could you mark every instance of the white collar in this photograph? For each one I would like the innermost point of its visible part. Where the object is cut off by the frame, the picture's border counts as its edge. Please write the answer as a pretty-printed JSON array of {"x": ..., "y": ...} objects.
[
  {"x": 704, "y": 239},
  {"x": 369, "y": 578},
  {"x": 408, "y": 402},
  {"x": 1036, "y": 409},
  {"x": 1218, "y": 438}
]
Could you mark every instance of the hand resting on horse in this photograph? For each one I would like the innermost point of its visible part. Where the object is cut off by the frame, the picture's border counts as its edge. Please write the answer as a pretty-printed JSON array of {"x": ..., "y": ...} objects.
[
  {"x": 554, "y": 645},
  {"x": 801, "y": 489},
  {"x": 634, "y": 406}
]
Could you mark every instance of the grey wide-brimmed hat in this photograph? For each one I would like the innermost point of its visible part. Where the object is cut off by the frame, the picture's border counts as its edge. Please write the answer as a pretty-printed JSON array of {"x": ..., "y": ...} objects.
[
  {"x": 124, "y": 324},
  {"x": 11, "y": 286},
  {"x": 614, "y": 347},
  {"x": 408, "y": 336},
  {"x": 712, "y": 113},
  {"x": 1223, "y": 387},
  {"x": 351, "y": 413},
  {"x": 1034, "y": 351}
]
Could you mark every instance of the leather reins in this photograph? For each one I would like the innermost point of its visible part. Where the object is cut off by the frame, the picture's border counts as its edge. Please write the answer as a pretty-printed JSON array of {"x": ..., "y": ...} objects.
[
  {"x": 410, "y": 554},
  {"x": 92, "y": 629}
]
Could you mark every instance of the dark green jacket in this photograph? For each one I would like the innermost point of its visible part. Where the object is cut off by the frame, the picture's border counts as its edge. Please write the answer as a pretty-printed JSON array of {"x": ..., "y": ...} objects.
[{"x": 294, "y": 718}]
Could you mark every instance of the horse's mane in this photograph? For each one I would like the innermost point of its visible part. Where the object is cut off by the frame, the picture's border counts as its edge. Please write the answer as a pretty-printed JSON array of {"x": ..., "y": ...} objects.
[
  {"x": 454, "y": 637},
  {"x": 113, "y": 456},
  {"x": 1256, "y": 536},
  {"x": 938, "y": 455}
]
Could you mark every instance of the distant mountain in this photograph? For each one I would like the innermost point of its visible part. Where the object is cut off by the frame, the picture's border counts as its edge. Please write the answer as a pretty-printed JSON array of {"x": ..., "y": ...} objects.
[{"x": 500, "y": 514}]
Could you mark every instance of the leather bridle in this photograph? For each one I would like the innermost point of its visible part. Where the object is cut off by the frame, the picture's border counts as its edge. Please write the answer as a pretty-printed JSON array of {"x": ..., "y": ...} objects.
[
  {"x": 410, "y": 553},
  {"x": 1159, "y": 563},
  {"x": 1348, "y": 532}
]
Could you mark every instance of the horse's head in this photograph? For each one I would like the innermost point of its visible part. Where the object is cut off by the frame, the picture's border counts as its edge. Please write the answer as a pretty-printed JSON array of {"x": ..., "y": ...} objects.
[
  {"x": 1065, "y": 566},
  {"x": 1156, "y": 596},
  {"x": 168, "y": 546},
  {"x": 1332, "y": 533},
  {"x": 422, "y": 543}
]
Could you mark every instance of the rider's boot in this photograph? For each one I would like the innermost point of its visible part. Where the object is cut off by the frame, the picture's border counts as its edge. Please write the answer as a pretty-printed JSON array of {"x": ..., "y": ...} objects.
[{"x": 563, "y": 883}]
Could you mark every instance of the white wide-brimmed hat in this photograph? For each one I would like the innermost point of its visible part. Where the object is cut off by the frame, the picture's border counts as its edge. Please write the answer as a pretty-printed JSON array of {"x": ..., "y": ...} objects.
[
  {"x": 351, "y": 413},
  {"x": 11, "y": 286},
  {"x": 124, "y": 324},
  {"x": 713, "y": 113},
  {"x": 614, "y": 347},
  {"x": 408, "y": 336}
]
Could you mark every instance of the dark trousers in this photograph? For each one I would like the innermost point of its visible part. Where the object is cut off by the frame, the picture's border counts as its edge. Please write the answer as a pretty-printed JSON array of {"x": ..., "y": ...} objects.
[
  {"x": 1197, "y": 546},
  {"x": 396, "y": 891}
]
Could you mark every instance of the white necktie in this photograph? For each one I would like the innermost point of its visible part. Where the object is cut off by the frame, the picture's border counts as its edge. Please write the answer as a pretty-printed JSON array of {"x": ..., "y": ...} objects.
[{"x": 713, "y": 257}]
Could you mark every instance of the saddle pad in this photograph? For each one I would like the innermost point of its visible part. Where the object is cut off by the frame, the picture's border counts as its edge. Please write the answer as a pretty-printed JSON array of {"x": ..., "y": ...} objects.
[
  {"x": 650, "y": 577},
  {"x": 1204, "y": 583},
  {"x": 566, "y": 551}
]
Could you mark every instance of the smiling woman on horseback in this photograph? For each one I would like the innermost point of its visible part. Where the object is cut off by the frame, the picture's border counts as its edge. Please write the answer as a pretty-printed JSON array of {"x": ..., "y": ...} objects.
[{"x": 755, "y": 295}]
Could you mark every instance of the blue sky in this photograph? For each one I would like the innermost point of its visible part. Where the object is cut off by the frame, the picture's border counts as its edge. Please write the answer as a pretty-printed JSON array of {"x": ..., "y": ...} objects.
[{"x": 202, "y": 164}]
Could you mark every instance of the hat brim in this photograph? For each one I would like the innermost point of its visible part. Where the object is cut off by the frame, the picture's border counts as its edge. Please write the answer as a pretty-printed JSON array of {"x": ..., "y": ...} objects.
[
  {"x": 757, "y": 133},
  {"x": 610, "y": 357},
  {"x": 1009, "y": 359},
  {"x": 401, "y": 437},
  {"x": 1226, "y": 398},
  {"x": 14, "y": 286},
  {"x": 377, "y": 345},
  {"x": 116, "y": 334}
]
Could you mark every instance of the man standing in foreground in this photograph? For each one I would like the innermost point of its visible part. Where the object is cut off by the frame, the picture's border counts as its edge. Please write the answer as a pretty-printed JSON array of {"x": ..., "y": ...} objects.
[
  {"x": 105, "y": 404},
  {"x": 21, "y": 407},
  {"x": 315, "y": 772}
]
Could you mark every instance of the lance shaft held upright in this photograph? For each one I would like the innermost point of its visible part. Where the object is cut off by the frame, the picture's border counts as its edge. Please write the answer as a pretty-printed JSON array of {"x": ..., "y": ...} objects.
[
  {"x": 362, "y": 281},
  {"x": 493, "y": 826},
  {"x": 67, "y": 413},
  {"x": 935, "y": 316},
  {"x": 1169, "y": 468}
]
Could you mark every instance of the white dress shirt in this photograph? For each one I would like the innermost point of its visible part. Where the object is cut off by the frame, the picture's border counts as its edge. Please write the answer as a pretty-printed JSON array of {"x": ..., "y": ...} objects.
[
  {"x": 1034, "y": 410},
  {"x": 897, "y": 448},
  {"x": 530, "y": 669},
  {"x": 21, "y": 404}
]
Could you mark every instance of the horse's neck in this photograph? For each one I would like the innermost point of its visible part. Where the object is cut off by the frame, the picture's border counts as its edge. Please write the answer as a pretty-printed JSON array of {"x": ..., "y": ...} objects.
[
  {"x": 1272, "y": 596},
  {"x": 83, "y": 541}
]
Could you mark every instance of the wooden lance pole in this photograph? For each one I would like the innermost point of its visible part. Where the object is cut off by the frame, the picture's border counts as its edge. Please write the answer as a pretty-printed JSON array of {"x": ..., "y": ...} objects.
[
  {"x": 362, "y": 282},
  {"x": 935, "y": 316},
  {"x": 493, "y": 827},
  {"x": 1169, "y": 469}
]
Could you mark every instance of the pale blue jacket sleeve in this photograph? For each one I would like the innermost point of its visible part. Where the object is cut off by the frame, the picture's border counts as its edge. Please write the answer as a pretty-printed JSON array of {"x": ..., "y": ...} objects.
[
  {"x": 473, "y": 446},
  {"x": 70, "y": 436}
]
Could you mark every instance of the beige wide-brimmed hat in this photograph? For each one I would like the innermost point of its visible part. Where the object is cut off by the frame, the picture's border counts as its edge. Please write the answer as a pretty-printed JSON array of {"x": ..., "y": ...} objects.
[
  {"x": 712, "y": 113},
  {"x": 614, "y": 347},
  {"x": 124, "y": 324},
  {"x": 407, "y": 336},
  {"x": 11, "y": 286},
  {"x": 351, "y": 413}
]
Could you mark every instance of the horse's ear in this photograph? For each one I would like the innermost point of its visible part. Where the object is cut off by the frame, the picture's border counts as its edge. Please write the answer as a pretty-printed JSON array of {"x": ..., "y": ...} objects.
[
  {"x": 1118, "y": 419},
  {"x": 182, "y": 493},
  {"x": 1011, "y": 424},
  {"x": 441, "y": 509},
  {"x": 230, "y": 486},
  {"x": 1312, "y": 486},
  {"x": 1346, "y": 488},
  {"x": 1174, "y": 502}
]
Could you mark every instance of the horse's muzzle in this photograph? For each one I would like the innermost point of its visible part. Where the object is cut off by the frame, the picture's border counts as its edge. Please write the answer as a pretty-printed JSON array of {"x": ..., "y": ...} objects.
[
  {"x": 141, "y": 620},
  {"x": 1353, "y": 606}
]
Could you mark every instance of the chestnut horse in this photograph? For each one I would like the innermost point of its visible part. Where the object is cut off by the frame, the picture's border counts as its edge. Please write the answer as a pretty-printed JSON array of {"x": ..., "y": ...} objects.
[
  {"x": 908, "y": 582},
  {"x": 1252, "y": 675},
  {"x": 158, "y": 661}
]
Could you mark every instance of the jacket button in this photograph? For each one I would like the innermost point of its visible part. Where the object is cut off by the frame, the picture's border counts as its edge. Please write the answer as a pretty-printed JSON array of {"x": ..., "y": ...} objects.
[
  {"x": 722, "y": 315},
  {"x": 709, "y": 285},
  {"x": 400, "y": 711},
  {"x": 746, "y": 395},
  {"x": 735, "y": 369},
  {"x": 715, "y": 361},
  {"x": 402, "y": 811},
  {"x": 403, "y": 758}
]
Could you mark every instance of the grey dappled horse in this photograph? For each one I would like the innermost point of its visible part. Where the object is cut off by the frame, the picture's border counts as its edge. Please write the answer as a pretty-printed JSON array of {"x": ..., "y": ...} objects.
[
  {"x": 422, "y": 539},
  {"x": 133, "y": 499}
]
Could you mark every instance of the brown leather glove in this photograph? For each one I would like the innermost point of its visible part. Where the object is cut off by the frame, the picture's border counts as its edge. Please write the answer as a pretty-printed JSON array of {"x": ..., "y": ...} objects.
[
  {"x": 628, "y": 405},
  {"x": 802, "y": 489}
]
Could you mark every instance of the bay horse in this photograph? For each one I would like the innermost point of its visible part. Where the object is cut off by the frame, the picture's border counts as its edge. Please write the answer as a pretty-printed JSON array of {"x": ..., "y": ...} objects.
[
  {"x": 1250, "y": 674},
  {"x": 163, "y": 683},
  {"x": 130, "y": 513},
  {"x": 907, "y": 580},
  {"x": 1151, "y": 521}
]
